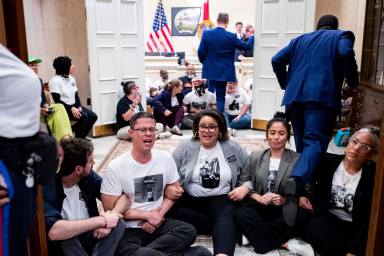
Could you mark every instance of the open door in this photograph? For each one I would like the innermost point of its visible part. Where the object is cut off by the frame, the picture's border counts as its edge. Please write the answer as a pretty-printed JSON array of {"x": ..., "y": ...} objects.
[
  {"x": 277, "y": 21},
  {"x": 116, "y": 52}
]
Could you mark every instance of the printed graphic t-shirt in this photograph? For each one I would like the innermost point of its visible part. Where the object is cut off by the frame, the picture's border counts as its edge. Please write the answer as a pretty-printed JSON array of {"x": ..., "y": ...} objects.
[
  {"x": 272, "y": 174},
  {"x": 212, "y": 175},
  {"x": 143, "y": 183},
  {"x": 342, "y": 193}
]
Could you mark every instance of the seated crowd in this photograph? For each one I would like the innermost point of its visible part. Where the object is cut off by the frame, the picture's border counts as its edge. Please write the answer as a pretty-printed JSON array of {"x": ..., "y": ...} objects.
[
  {"x": 155, "y": 203},
  {"x": 175, "y": 102}
]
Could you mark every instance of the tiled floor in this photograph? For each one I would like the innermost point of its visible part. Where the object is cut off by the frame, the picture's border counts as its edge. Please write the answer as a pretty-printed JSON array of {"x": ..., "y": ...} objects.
[{"x": 103, "y": 145}]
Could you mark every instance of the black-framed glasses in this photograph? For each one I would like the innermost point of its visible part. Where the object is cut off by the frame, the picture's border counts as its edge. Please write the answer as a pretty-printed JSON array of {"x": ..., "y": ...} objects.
[
  {"x": 145, "y": 130},
  {"x": 210, "y": 128},
  {"x": 354, "y": 142}
]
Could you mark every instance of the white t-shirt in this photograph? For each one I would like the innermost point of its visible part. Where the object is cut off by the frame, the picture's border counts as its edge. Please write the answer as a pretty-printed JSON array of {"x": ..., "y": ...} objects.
[
  {"x": 66, "y": 87},
  {"x": 202, "y": 102},
  {"x": 20, "y": 97},
  {"x": 143, "y": 182},
  {"x": 274, "y": 164},
  {"x": 343, "y": 191},
  {"x": 235, "y": 101},
  {"x": 212, "y": 175},
  {"x": 74, "y": 207},
  {"x": 174, "y": 101}
]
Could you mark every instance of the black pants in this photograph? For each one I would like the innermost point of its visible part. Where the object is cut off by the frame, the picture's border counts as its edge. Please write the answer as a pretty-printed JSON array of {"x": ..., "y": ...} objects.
[
  {"x": 84, "y": 124},
  {"x": 86, "y": 244},
  {"x": 263, "y": 226},
  {"x": 330, "y": 235},
  {"x": 171, "y": 237},
  {"x": 209, "y": 215}
]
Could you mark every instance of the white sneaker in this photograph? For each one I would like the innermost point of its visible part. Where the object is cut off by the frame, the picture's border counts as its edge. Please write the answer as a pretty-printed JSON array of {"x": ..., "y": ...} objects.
[
  {"x": 164, "y": 135},
  {"x": 299, "y": 247}
]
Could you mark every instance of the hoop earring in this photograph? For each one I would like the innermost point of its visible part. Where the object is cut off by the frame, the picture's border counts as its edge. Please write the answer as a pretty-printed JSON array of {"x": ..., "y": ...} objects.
[
  {"x": 220, "y": 136},
  {"x": 195, "y": 135}
]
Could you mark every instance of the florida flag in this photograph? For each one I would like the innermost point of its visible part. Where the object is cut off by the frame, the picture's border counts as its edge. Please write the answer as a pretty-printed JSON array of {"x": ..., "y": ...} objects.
[{"x": 159, "y": 39}]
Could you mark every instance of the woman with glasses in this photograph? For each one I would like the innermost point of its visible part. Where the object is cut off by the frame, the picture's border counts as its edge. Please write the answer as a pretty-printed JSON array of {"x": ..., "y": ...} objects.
[
  {"x": 209, "y": 165},
  {"x": 263, "y": 185},
  {"x": 337, "y": 207}
]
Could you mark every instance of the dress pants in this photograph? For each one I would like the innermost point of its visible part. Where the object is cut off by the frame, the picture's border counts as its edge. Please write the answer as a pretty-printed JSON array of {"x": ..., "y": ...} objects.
[
  {"x": 312, "y": 124},
  {"x": 220, "y": 88}
]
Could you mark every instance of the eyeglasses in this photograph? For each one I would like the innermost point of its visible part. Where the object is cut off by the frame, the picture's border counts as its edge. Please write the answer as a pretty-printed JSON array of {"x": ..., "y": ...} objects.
[
  {"x": 210, "y": 128},
  {"x": 361, "y": 146},
  {"x": 143, "y": 131}
]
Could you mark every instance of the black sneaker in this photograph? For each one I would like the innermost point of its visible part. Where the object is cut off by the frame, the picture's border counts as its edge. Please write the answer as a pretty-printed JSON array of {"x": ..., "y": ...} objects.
[{"x": 290, "y": 206}]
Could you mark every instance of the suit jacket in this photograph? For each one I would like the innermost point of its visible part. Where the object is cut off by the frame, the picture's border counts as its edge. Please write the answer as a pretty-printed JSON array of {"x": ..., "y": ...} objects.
[
  {"x": 317, "y": 64},
  {"x": 257, "y": 167},
  {"x": 216, "y": 52}
]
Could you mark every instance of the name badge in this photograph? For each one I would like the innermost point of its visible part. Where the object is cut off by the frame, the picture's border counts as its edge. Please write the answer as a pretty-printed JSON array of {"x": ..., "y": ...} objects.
[{"x": 231, "y": 159}]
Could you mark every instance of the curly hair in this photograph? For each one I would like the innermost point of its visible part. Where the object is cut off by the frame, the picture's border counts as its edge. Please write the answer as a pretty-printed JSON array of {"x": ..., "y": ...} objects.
[
  {"x": 76, "y": 152},
  {"x": 219, "y": 117}
]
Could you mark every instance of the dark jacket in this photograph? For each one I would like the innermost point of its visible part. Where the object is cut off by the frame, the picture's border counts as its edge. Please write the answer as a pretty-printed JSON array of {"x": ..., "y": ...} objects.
[
  {"x": 322, "y": 185},
  {"x": 53, "y": 196},
  {"x": 216, "y": 52},
  {"x": 162, "y": 101},
  {"x": 312, "y": 67}
]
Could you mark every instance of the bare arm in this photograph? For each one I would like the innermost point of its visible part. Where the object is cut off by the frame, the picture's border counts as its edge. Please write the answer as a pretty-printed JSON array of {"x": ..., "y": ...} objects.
[{"x": 65, "y": 229}]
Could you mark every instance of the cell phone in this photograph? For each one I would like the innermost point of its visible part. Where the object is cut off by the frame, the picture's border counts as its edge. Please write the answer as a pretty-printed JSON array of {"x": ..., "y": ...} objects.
[{"x": 50, "y": 110}]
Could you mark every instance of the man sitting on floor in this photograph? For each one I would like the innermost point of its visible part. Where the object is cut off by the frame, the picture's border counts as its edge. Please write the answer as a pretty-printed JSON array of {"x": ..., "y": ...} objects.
[
  {"x": 142, "y": 174},
  {"x": 73, "y": 223}
]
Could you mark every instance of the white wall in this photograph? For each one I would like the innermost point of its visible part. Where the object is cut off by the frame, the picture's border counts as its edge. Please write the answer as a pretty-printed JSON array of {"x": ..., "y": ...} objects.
[{"x": 238, "y": 10}]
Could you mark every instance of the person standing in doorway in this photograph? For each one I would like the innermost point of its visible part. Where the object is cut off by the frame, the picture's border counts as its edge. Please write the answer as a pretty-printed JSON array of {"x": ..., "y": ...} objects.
[
  {"x": 216, "y": 52},
  {"x": 317, "y": 64}
]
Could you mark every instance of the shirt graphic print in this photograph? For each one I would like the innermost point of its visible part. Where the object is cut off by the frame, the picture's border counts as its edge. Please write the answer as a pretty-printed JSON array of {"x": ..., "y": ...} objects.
[
  {"x": 148, "y": 188},
  {"x": 341, "y": 198},
  {"x": 210, "y": 173}
]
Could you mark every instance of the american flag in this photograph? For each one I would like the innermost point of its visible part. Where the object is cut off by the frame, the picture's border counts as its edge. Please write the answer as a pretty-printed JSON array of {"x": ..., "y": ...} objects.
[{"x": 159, "y": 39}]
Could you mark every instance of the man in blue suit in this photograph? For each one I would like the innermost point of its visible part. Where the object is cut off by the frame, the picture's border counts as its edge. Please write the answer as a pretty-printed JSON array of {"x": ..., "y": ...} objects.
[
  {"x": 216, "y": 52},
  {"x": 317, "y": 64}
]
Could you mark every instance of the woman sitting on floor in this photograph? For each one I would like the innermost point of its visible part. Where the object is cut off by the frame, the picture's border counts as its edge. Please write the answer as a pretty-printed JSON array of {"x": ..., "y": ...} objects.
[
  {"x": 168, "y": 108},
  {"x": 64, "y": 90},
  {"x": 208, "y": 165},
  {"x": 128, "y": 105},
  {"x": 339, "y": 203},
  {"x": 263, "y": 180}
]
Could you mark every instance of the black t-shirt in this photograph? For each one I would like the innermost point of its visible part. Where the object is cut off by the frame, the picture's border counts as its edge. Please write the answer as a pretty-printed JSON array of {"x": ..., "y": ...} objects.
[{"x": 122, "y": 107}]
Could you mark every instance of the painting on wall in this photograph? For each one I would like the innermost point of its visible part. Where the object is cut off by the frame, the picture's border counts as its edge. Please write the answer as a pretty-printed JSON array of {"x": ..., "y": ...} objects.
[{"x": 185, "y": 20}]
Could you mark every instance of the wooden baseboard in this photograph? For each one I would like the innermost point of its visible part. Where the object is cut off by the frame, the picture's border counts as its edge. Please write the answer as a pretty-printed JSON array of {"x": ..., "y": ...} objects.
[
  {"x": 104, "y": 130},
  {"x": 259, "y": 124}
]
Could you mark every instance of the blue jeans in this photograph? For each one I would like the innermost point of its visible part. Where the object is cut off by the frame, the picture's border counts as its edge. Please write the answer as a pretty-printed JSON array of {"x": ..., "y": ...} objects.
[
  {"x": 243, "y": 123},
  {"x": 220, "y": 88},
  {"x": 312, "y": 124}
]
